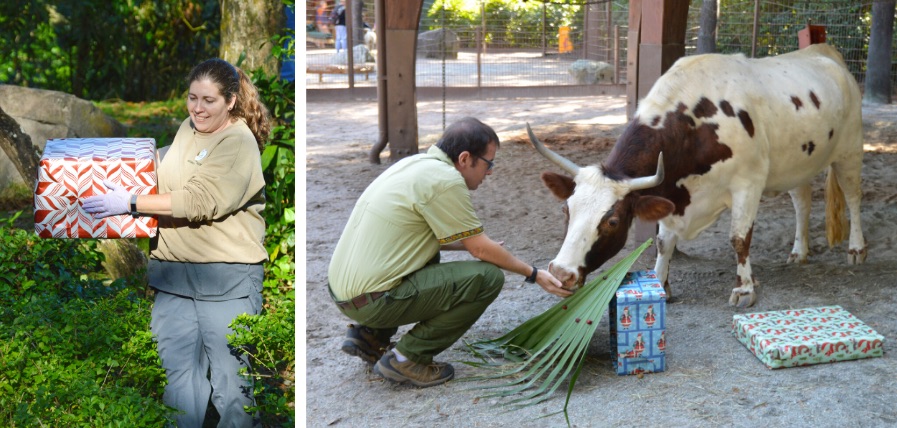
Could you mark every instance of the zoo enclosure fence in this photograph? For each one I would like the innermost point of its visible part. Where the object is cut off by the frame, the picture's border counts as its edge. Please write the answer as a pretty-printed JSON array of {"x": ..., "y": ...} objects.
[{"x": 520, "y": 47}]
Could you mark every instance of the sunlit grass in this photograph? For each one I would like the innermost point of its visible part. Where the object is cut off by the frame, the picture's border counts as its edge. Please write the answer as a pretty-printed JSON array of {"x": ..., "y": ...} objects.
[{"x": 157, "y": 119}]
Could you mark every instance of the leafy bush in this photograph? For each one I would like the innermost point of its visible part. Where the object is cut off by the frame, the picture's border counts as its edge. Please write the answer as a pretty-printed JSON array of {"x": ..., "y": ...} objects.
[
  {"x": 97, "y": 49},
  {"x": 73, "y": 351},
  {"x": 270, "y": 342}
]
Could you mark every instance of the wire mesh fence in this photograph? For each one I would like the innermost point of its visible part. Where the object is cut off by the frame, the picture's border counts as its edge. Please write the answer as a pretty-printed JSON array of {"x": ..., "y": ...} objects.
[{"x": 533, "y": 44}]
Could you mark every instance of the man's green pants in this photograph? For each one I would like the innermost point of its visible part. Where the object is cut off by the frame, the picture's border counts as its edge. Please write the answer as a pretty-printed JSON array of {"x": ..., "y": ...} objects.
[{"x": 443, "y": 299}]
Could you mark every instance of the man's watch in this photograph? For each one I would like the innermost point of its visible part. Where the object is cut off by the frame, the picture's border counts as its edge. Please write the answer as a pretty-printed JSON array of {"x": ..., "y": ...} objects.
[
  {"x": 134, "y": 212},
  {"x": 532, "y": 277}
]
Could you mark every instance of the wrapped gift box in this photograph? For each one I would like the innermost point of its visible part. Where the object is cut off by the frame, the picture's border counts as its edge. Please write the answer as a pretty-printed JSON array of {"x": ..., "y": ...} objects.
[
  {"x": 637, "y": 317},
  {"x": 800, "y": 337},
  {"x": 72, "y": 169}
]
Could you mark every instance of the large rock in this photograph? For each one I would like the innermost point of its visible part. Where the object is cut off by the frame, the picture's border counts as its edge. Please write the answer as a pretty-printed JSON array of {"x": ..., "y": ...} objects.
[
  {"x": 43, "y": 115},
  {"x": 360, "y": 55},
  {"x": 432, "y": 44},
  {"x": 588, "y": 72}
]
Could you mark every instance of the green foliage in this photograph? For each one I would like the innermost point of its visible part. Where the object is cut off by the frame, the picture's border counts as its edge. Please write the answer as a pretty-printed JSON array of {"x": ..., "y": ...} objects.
[
  {"x": 157, "y": 119},
  {"x": 847, "y": 27},
  {"x": 270, "y": 343},
  {"x": 550, "y": 348},
  {"x": 30, "y": 267},
  {"x": 73, "y": 351},
  {"x": 98, "y": 49},
  {"x": 15, "y": 196},
  {"x": 510, "y": 23}
]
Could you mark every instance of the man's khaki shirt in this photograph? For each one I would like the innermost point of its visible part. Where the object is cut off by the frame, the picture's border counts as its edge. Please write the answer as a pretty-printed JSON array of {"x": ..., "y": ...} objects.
[{"x": 399, "y": 224}]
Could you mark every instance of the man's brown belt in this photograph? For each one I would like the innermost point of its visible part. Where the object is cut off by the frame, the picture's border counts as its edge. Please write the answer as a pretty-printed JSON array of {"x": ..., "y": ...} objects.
[{"x": 360, "y": 301}]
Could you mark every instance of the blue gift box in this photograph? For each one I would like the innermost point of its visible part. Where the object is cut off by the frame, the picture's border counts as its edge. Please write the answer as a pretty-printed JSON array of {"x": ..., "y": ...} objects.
[{"x": 637, "y": 317}]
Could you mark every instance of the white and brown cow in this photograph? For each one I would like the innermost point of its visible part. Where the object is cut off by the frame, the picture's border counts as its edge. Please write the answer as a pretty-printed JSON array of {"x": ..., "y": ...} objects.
[{"x": 717, "y": 132}]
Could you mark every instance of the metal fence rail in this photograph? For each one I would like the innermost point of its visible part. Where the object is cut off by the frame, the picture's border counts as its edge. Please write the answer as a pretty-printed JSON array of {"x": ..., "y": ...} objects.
[{"x": 522, "y": 48}]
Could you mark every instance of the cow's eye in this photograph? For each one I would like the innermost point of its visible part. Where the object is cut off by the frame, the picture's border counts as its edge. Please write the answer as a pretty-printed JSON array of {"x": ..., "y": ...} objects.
[{"x": 613, "y": 222}]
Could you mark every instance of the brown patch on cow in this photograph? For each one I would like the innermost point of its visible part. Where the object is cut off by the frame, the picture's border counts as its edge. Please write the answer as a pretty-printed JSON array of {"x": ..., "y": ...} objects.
[
  {"x": 815, "y": 99},
  {"x": 687, "y": 150},
  {"x": 561, "y": 186},
  {"x": 742, "y": 246},
  {"x": 613, "y": 230},
  {"x": 797, "y": 102},
  {"x": 653, "y": 208},
  {"x": 808, "y": 147},
  {"x": 746, "y": 122},
  {"x": 727, "y": 108},
  {"x": 831, "y": 133},
  {"x": 655, "y": 121},
  {"x": 704, "y": 108}
]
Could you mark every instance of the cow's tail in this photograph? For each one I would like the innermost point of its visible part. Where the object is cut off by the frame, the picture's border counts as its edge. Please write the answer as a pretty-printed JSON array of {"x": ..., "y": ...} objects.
[{"x": 835, "y": 220}]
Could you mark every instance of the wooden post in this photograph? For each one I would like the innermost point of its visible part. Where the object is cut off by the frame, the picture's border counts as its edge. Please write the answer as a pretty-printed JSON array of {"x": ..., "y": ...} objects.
[
  {"x": 660, "y": 39},
  {"x": 396, "y": 70},
  {"x": 382, "y": 96},
  {"x": 756, "y": 28},
  {"x": 632, "y": 57},
  {"x": 544, "y": 41},
  {"x": 350, "y": 59}
]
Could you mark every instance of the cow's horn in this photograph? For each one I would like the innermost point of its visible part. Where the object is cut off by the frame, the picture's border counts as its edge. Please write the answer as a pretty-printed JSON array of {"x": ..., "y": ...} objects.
[
  {"x": 648, "y": 182},
  {"x": 561, "y": 161}
]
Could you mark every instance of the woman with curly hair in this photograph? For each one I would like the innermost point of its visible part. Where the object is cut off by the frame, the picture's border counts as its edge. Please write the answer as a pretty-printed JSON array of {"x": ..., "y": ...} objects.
[{"x": 206, "y": 262}]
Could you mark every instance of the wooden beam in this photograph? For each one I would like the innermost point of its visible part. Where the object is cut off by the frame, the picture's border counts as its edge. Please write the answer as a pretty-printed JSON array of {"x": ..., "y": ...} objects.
[
  {"x": 660, "y": 26},
  {"x": 396, "y": 85}
]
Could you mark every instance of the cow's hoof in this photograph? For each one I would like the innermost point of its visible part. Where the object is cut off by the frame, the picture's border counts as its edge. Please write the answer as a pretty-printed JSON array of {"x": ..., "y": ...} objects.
[
  {"x": 856, "y": 257},
  {"x": 742, "y": 298},
  {"x": 668, "y": 291},
  {"x": 797, "y": 258}
]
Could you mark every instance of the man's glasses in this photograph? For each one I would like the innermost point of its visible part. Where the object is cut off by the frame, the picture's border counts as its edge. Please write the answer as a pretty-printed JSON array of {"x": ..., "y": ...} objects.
[{"x": 491, "y": 163}]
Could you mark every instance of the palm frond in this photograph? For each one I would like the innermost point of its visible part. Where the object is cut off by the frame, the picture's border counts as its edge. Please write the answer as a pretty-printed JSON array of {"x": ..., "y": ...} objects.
[{"x": 543, "y": 352}]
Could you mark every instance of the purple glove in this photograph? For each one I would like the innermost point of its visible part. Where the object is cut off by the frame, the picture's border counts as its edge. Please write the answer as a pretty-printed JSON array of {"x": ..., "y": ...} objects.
[{"x": 114, "y": 202}]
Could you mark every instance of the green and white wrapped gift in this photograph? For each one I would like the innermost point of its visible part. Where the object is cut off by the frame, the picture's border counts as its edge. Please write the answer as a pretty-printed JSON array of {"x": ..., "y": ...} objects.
[{"x": 800, "y": 337}]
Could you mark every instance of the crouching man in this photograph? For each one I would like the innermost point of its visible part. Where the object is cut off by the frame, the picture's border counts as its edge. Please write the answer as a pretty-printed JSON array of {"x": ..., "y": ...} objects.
[{"x": 385, "y": 271}]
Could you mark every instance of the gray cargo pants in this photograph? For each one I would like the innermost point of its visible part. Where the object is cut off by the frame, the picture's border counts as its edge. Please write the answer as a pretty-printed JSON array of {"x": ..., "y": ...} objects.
[{"x": 198, "y": 362}]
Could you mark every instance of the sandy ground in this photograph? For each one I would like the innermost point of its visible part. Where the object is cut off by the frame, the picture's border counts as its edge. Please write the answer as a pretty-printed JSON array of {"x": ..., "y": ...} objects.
[{"x": 711, "y": 379}]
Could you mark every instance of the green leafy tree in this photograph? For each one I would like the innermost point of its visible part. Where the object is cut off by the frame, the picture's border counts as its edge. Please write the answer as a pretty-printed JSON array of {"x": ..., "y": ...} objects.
[{"x": 100, "y": 49}]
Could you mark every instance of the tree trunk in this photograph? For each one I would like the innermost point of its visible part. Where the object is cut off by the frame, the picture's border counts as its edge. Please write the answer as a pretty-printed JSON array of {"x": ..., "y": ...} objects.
[
  {"x": 17, "y": 145},
  {"x": 878, "y": 63},
  {"x": 357, "y": 23},
  {"x": 248, "y": 28},
  {"x": 707, "y": 31}
]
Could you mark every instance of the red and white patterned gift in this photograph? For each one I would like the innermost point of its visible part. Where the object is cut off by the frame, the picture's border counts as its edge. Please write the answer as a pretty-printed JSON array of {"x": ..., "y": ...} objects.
[{"x": 72, "y": 169}]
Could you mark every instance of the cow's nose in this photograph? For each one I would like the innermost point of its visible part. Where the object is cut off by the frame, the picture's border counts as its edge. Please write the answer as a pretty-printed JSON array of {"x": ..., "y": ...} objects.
[{"x": 566, "y": 277}]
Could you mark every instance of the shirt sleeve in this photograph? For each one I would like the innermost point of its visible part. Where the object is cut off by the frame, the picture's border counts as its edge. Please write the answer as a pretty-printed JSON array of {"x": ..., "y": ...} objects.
[{"x": 451, "y": 216}]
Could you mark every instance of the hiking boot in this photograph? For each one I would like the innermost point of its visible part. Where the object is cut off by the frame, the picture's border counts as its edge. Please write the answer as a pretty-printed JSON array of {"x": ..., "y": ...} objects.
[
  {"x": 365, "y": 343},
  {"x": 410, "y": 372}
]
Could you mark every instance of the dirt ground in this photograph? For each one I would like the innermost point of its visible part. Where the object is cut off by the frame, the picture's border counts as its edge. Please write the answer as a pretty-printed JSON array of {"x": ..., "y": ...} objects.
[{"x": 711, "y": 379}]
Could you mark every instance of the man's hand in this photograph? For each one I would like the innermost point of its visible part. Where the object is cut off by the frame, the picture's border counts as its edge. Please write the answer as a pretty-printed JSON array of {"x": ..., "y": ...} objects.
[
  {"x": 551, "y": 284},
  {"x": 114, "y": 202}
]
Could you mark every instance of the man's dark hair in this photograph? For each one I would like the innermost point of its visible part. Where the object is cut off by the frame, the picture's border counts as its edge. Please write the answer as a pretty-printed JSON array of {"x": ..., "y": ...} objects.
[{"x": 467, "y": 134}]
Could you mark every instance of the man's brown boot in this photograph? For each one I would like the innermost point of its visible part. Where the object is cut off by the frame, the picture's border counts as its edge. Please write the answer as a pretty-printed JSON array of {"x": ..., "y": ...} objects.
[
  {"x": 410, "y": 372},
  {"x": 365, "y": 343}
]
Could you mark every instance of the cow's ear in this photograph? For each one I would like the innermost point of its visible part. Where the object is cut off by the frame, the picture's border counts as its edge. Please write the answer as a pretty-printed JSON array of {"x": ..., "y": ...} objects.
[
  {"x": 653, "y": 208},
  {"x": 561, "y": 185}
]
